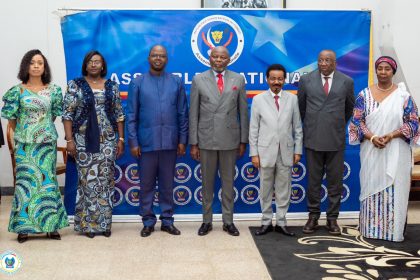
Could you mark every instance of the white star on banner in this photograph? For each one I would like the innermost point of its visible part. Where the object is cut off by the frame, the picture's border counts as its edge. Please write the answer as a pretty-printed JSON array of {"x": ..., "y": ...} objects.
[{"x": 270, "y": 29}]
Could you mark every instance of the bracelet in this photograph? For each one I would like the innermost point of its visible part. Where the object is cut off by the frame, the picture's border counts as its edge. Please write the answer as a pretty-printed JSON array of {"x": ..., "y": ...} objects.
[
  {"x": 121, "y": 139},
  {"x": 68, "y": 141},
  {"x": 371, "y": 138}
]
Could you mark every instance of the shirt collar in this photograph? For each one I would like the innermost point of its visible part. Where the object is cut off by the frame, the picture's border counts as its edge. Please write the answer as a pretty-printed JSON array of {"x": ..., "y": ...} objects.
[
  {"x": 273, "y": 94},
  {"x": 216, "y": 73},
  {"x": 331, "y": 76}
]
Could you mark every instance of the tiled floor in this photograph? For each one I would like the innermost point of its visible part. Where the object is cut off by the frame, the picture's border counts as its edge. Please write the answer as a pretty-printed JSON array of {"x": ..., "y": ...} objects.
[{"x": 125, "y": 255}]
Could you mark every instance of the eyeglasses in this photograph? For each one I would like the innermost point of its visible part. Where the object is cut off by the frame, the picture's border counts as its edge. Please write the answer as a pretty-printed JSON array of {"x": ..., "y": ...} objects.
[
  {"x": 158, "y": 56},
  {"x": 94, "y": 62}
]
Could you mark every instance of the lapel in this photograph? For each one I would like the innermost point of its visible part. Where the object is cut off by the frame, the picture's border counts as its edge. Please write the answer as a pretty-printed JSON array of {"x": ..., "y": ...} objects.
[
  {"x": 212, "y": 86},
  {"x": 227, "y": 84},
  {"x": 283, "y": 102},
  {"x": 336, "y": 84},
  {"x": 318, "y": 85},
  {"x": 271, "y": 103}
]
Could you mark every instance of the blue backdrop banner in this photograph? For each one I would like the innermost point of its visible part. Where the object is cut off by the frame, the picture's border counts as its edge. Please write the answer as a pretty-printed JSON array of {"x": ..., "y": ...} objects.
[{"x": 255, "y": 39}]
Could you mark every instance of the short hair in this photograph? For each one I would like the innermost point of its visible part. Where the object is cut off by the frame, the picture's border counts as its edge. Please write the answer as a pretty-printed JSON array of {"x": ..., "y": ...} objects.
[
  {"x": 23, "y": 74},
  {"x": 158, "y": 45},
  {"x": 275, "y": 67},
  {"x": 88, "y": 57}
]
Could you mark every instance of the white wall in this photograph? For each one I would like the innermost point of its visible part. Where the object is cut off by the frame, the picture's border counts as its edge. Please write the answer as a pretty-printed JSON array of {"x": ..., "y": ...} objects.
[{"x": 28, "y": 24}]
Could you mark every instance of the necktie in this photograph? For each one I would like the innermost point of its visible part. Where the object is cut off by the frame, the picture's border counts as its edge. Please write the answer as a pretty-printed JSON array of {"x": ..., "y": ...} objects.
[
  {"x": 276, "y": 98},
  {"x": 220, "y": 82},
  {"x": 326, "y": 85}
]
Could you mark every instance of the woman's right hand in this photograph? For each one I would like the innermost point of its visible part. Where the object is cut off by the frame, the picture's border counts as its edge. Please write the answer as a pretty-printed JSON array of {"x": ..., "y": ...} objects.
[
  {"x": 378, "y": 142},
  {"x": 71, "y": 148}
]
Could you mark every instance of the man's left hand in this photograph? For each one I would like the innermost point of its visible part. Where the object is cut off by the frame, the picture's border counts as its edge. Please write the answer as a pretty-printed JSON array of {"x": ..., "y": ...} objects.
[
  {"x": 120, "y": 148},
  {"x": 296, "y": 158},
  {"x": 241, "y": 150},
  {"x": 180, "y": 150}
]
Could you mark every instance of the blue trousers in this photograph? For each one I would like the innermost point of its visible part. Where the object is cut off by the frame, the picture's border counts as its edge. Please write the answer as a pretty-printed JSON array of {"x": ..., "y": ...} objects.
[{"x": 158, "y": 165}]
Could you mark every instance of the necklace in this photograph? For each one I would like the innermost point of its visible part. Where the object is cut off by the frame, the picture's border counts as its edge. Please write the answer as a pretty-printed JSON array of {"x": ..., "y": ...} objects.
[{"x": 384, "y": 89}]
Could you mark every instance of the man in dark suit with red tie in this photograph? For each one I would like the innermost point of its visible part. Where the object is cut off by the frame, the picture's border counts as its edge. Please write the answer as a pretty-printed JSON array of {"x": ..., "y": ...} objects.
[{"x": 326, "y": 101}]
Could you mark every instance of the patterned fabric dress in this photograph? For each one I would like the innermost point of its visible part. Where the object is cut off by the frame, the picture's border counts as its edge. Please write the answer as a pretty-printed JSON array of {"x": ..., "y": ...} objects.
[
  {"x": 37, "y": 206},
  {"x": 383, "y": 210},
  {"x": 93, "y": 212}
]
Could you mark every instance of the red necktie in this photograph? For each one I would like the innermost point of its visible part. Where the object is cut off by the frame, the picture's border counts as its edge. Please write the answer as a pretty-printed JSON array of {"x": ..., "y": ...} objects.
[
  {"x": 326, "y": 85},
  {"x": 220, "y": 82},
  {"x": 276, "y": 98}
]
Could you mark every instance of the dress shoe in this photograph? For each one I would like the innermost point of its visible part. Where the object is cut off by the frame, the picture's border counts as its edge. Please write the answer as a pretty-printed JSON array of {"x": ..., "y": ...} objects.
[
  {"x": 146, "y": 231},
  {"x": 204, "y": 229},
  {"x": 264, "y": 229},
  {"x": 283, "y": 230},
  {"x": 231, "y": 229},
  {"x": 90, "y": 234},
  {"x": 311, "y": 225},
  {"x": 171, "y": 229},
  {"x": 54, "y": 235},
  {"x": 333, "y": 227},
  {"x": 22, "y": 237},
  {"x": 107, "y": 233}
]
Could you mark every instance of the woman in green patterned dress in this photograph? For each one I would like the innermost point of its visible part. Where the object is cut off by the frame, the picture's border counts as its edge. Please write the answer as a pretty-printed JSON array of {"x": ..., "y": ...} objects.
[
  {"x": 94, "y": 125},
  {"x": 31, "y": 108}
]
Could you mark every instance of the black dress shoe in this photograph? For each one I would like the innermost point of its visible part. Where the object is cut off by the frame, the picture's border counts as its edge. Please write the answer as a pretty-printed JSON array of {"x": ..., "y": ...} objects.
[
  {"x": 146, "y": 231},
  {"x": 205, "y": 228},
  {"x": 333, "y": 227},
  {"x": 171, "y": 229},
  {"x": 283, "y": 230},
  {"x": 54, "y": 235},
  {"x": 264, "y": 229},
  {"x": 90, "y": 234},
  {"x": 231, "y": 229},
  {"x": 22, "y": 237},
  {"x": 311, "y": 225},
  {"x": 107, "y": 233}
]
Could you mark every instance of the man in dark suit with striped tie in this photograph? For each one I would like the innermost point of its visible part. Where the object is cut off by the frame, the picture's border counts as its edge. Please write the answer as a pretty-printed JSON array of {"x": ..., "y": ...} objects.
[{"x": 326, "y": 101}]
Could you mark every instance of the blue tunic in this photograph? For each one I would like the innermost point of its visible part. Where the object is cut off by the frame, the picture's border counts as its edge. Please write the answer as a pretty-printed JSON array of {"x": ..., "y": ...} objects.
[{"x": 157, "y": 112}]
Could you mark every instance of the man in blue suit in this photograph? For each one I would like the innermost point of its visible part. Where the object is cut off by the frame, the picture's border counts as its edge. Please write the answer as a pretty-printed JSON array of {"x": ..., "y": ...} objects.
[{"x": 157, "y": 132}]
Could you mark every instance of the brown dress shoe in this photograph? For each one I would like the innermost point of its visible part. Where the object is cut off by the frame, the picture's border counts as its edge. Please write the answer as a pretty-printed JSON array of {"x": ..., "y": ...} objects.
[
  {"x": 333, "y": 227},
  {"x": 311, "y": 225}
]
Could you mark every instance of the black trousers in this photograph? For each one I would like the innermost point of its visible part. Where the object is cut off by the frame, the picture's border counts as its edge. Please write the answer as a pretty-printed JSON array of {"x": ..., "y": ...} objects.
[{"x": 332, "y": 163}]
